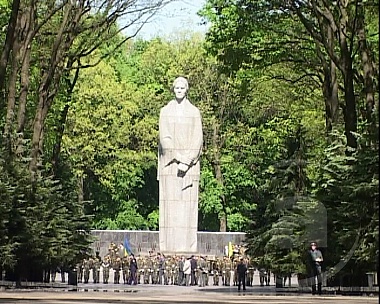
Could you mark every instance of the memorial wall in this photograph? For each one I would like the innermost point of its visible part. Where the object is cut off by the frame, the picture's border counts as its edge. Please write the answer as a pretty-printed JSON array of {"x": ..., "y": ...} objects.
[{"x": 141, "y": 241}]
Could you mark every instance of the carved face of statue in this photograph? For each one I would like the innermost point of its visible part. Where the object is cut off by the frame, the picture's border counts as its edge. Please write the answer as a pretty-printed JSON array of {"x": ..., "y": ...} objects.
[
  {"x": 180, "y": 90},
  {"x": 180, "y": 87}
]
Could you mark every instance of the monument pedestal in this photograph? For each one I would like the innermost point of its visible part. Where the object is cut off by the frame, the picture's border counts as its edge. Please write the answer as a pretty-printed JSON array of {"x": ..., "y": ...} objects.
[{"x": 178, "y": 222}]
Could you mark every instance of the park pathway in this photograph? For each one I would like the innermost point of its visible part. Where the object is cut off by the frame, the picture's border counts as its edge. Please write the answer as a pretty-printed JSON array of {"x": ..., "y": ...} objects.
[{"x": 161, "y": 294}]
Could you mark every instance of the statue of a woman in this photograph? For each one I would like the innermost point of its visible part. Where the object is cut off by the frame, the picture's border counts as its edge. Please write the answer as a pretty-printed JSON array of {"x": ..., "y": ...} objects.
[{"x": 180, "y": 146}]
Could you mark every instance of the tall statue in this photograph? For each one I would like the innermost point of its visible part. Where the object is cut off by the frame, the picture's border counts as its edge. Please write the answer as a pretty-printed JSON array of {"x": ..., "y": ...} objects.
[{"x": 180, "y": 146}]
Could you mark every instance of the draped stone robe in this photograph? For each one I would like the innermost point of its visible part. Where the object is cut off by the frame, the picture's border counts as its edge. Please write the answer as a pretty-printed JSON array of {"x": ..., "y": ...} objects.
[{"x": 181, "y": 139}]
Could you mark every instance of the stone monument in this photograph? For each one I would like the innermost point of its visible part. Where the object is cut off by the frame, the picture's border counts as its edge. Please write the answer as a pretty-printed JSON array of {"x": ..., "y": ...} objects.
[{"x": 181, "y": 139}]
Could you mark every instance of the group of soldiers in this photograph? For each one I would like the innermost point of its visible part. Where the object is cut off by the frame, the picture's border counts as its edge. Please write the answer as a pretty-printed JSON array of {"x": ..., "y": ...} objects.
[{"x": 155, "y": 269}]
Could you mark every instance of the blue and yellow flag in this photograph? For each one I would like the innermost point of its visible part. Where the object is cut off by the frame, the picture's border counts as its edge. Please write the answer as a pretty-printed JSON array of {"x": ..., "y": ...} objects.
[
  {"x": 230, "y": 250},
  {"x": 127, "y": 248}
]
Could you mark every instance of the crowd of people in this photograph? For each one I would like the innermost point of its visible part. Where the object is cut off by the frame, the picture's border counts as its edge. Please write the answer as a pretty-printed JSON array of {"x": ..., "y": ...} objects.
[
  {"x": 156, "y": 268},
  {"x": 196, "y": 270}
]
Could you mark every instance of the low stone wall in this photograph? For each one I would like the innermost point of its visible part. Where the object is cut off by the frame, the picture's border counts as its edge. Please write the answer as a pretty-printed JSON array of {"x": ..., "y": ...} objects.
[{"x": 141, "y": 242}]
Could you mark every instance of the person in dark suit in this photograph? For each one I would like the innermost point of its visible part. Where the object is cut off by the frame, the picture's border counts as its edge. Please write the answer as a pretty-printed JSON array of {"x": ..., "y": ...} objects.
[
  {"x": 193, "y": 278},
  {"x": 241, "y": 270},
  {"x": 315, "y": 260},
  {"x": 133, "y": 270},
  {"x": 161, "y": 268},
  {"x": 181, "y": 273}
]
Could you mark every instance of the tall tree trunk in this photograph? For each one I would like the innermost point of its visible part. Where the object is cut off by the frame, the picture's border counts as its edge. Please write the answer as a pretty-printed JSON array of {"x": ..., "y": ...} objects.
[
  {"x": 28, "y": 24},
  {"x": 330, "y": 92},
  {"x": 324, "y": 36},
  {"x": 219, "y": 177},
  {"x": 58, "y": 139},
  {"x": 349, "y": 111},
  {"x": 332, "y": 97},
  {"x": 25, "y": 34},
  {"x": 62, "y": 121},
  {"x": 350, "y": 115},
  {"x": 8, "y": 45},
  {"x": 38, "y": 125},
  {"x": 49, "y": 86},
  {"x": 330, "y": 82},
  {"x": 80, "y": 182},
  {"x": 24, "y": 89},
  {"x": 367, "y": 63},
  {"x": 12, "y": 89}
]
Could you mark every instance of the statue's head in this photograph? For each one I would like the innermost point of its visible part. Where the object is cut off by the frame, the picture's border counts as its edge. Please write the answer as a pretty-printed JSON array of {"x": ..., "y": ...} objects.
[
  {"x": 181, "y": 80},
  {"x": 180, "y": 88}
]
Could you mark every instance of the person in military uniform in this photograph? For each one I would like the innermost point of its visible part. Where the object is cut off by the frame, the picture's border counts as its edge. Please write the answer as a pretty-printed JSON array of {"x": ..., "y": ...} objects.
[
  {"x": 161, "y": 267},
  {"x": 262, "y": 276},
  {"x": 176, "y": 270},
  {"x": 96, "y": 268},
  {"x": 140, "y": 270},
  {"x": 181, "y": 274},
  {"x": 267, "y": 278},
  {"x": 113, "y": 251},
  {"x": 150, "y": 269},
  {"x": 144, "y": 265},
  {"x": 228, "y": 269},
  {"x": 79, "y": 269},
  {"x": 86, "y": 270},
  {"x": 117, "y": 266},
  {"x": 199, "y": 271},
  {"x": 250, "y": 273},
  {"x": 215, "y": 272},
  {"x": 203, "y": 271},
  {"x": 167, "y": 270},
  {"x": 234, "y": 265},
  {"x": 207, "y": 270},
  {"x": 172, "y": 270},
  {"x": 106, "y": 264},
  {"x": 155, "y": 271},
  {"x": 125, "y": 269},
  {"x": 223, "y": 270}
]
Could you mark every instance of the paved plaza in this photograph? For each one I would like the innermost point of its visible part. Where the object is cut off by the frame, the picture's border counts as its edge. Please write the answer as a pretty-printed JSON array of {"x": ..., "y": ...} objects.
[{"x": 160, "y": 294}]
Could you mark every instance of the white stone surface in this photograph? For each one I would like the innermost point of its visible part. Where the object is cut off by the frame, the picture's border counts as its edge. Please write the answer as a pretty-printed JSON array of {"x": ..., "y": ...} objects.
[{"x": 180, "y": 146}]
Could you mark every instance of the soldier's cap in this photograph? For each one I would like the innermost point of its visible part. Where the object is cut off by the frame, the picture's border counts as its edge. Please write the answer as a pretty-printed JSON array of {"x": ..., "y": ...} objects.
[{"x": 313, "y": 244}]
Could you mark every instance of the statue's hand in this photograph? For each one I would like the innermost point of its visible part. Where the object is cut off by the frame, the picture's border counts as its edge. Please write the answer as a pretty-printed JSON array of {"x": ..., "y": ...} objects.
[{"x": 182, "y": 168}]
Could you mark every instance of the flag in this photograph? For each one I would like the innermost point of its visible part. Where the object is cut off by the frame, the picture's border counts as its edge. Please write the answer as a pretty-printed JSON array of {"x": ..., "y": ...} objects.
[
  {"x": 230, "y": 250},
  {"x": 127, "y": 247}
]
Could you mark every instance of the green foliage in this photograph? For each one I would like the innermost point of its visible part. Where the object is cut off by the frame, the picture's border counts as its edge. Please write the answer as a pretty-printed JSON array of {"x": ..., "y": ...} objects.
[
  {"x": 273, "y": 54},
  {"x": 348, "y": 187},
  {"x": 4, "y": 11},
  {"x": 42, "y": 223},
  {"x": 110, "y": 142},
  {"x": 280, "y": 228}
]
